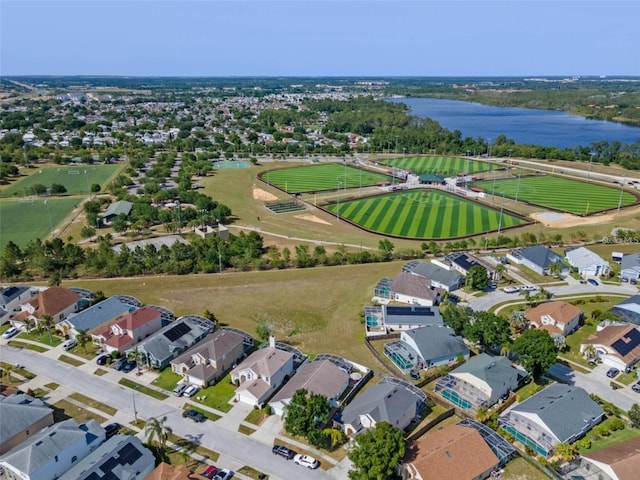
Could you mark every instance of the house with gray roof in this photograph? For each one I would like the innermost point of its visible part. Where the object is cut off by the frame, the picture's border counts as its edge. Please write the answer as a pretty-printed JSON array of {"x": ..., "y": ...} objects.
[
  {"x": 438, "y": 277},
  {"x": 177, "y": 337},
  {"x": 121, "y": 207},
  {"x": 385, "y": 319},
  {"x": 52, "y": 451},
  {"x": 321, "y": 377},
  {"x": 630, "y": 267},
  {"x": 96, "y": 316},
  {"x": 558, "y": 414},
  {"x": 382, "y": 402},
  {"x": 10, "y": 299},
  {"x": 462, "y": 262},
  {"x": 122, "y": 457},
  {"x": 21, "y": 416},
  {"x": 628, "y": 310},
  {"x": 537, "y": 258},
  {"x": 587, "y": 262},
  {"x": 480, "y": 382}
]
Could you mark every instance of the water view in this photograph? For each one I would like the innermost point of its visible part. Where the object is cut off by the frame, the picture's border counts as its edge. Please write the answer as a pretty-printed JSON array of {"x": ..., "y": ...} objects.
[{"x": 523, "y": 125}]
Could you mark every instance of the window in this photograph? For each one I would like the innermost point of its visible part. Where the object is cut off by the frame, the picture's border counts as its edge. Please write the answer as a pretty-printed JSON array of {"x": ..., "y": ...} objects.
[{"x": 74, "y": 458}]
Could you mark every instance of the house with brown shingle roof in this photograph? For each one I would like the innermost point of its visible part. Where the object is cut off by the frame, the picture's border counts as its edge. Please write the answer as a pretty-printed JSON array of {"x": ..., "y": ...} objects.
[
  {"x": 617, "y": 345},
  {"x": 58, "y": 302},
  {"x": 127, "y": 330},
  {"x": 617, "y": 462},
  {"x": 454, "y": 452},
  {"x": 321, "y": 377},
  {"x": 559, "y": 318},
  {"x": 164, "y": 471},
  {"x": 261, "y": 373},
  {"x": 414, "y": 290},
  {"x": 208, "y": 360}
]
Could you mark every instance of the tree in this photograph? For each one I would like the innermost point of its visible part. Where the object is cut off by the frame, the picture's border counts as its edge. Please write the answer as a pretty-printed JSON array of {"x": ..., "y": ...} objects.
[
  {"x": 305, "y": 413},
  {"x": 335, "y": 436},
  {"x": 58, "y": 189},
  {"x": 518, "y": 321},
  {"x": 386, "y": 249},
  {"x": 590, "y": 352},
  {"x": 157, "y": 431},
  {"x": 488, "y": 329},
  {"x": 377, "y": 452},
  {"x": 634, "y": 415},
  {"x": 456, "y": 318},
  {"x": 478, "y": 278},
  {"x": 555, "y": 269},
  {"x": 47, "y": 322},
  {"x": 565, "y": 451},
  {"x": 83, "y": 338},
  {"x": 537, "y": 351},
  {"x": 95, "y": 187},
  {"x": 87, "y": 232},
  {"x": 38, "y": 189}
]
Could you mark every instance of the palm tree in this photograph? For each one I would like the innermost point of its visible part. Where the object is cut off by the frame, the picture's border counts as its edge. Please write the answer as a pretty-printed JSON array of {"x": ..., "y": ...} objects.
[
  {"x": 157, "y": 431},
  {"x": 527, "y": 296},
  {"x": 590, "y": 352},
  {"x": 335, "y": 436},
  {"x": 83, "y": 338},
  {"x": 6, "y": 372},
  {"x": 137, "y": 355},
  {"x": 499, "y": 269},
  {"x": 555, "y": 269},
  {"x": 47, "y": 323}
]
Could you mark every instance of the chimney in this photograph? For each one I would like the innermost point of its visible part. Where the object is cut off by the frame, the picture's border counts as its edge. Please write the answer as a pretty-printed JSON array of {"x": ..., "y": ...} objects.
[{"x": 272, "y": 341}]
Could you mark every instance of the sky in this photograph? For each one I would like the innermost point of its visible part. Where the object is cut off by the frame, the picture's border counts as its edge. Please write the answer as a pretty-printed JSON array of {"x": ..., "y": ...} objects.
[{"x": 320, "y": 38}]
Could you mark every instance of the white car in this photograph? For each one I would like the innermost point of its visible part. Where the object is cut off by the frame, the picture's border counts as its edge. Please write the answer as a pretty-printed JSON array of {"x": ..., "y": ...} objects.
[
  {"x": 306, "y": 461},
  {"x": 69, "y": 344},
  {"x": 528, "y": 288},
  {"x": 11, "y": 332},
  {"x": 190, "y": 391},
  {"x": 511, "y": 289}
]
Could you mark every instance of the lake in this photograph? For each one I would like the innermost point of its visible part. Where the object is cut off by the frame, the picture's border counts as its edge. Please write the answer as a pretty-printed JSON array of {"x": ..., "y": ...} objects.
[{"x": 522, "y": 125}]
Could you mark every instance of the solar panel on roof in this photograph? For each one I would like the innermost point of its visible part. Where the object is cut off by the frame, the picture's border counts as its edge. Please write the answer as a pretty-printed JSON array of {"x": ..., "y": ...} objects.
[
  {"x": 630, "y": 341},
  {"x": 177, "y": 331}
]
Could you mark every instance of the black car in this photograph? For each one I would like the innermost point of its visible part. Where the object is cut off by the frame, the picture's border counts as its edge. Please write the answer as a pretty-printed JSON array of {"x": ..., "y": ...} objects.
[
  {"x": 636, "y": 387},
  {"x": 130, "y": 365},
  {"x": 111, "y": 429},
  {"x": 612, "y": 372},
  {"x": 593, "y": 282},
  {"x": 119, "y": 365},
  {"x": 414, "y": 374},
  {"x": 102, "y": 359},
  {"x": 283, "y": 451},
  {"x": 194, "y": 415}
]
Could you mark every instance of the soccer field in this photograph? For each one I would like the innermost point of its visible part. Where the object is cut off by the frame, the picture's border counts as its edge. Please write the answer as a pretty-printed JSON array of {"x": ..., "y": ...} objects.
[
  {"x": 572, "y": 196},
  {"x": 22, "y": 221},
  {"x": 77, "y": 179},
  {"x": 445, "y": 166},
  {"x": 317, "y": 178},
  {"x": 423, "y": 214}
]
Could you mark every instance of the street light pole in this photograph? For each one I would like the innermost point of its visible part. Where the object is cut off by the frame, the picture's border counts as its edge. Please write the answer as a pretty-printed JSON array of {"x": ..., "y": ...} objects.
[
  {"x": 591, "y": 154},
  {"x": 621, "y": 192},
  {"x": 518, "y": 184},
  {"x": 501, "y": 210},
  {"x": 46, "y": 202},
  {"x": 338, "y": 209}
]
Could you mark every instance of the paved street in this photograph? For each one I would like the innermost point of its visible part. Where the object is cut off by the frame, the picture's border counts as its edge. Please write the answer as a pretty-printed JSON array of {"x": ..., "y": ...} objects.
[{"x": 236, "y": 449}]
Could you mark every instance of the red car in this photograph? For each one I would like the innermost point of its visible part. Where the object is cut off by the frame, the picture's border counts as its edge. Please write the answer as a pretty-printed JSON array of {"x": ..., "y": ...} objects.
[{"x": 210, "y": 471}]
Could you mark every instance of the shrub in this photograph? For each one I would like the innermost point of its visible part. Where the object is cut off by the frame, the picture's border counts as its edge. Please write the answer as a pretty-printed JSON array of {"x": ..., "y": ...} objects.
[{"x": 616, "y": 424}]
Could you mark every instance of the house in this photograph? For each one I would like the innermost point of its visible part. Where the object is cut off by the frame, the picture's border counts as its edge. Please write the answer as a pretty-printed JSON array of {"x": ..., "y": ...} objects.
[
  {"x": 127, "y": 330},
  {"x": 52, "y": 451},
  {"x": 391, "y": 318},
  {"x": 414, "y": 290},
  {"x": 112, "y": 212},
  {"x": 620, "y": 461},
  {"x": 10, "y": 299},
  {"x": 425, "y": 347},
  {"x": 97, "y": 315},
  {"x": 382, "y": 402},
  {"x": 462, "y": 262},
  {"x": 431, "y": 179},
  {"x": 261, "y": 373},
  {"x": 587, "y": 262},
  {"x": 480, "y": 382},
  {"x": 177, "y": 337},
  {"x": 207, "y": 361},
  {"x": 628, "y": 310},
  {"x": 22, "y": 416},
  {"x": 558, "y": 414},
  {"x": 57, "y": 302},
  {"x": 321, "y": 377},
  {"x": 536, "y": 258},
  {"x": 164, "y": 471},
  {"x": 630, "y": 267},
  {"x": 438, "y": 277},
  {"x": 617, "y": 345},
  {"x": 122, "y": 457},
  {"x": 558, "y": 318},
  {"x": 454, "y": 451}
]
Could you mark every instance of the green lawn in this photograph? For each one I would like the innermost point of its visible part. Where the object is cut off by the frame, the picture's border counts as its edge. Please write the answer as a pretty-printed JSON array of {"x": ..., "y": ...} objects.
[
  {"x": 217, "y": 396},
  {"x": 598, "y": 443},
  {"x": 108, "y": 409},
  {"x": 423, "y": 214},
  {"x": 28, "y": 346},
  {"x": 573, "y": 196},
  {"x": 142, "y": 389},
  {"x": 70, "y": 360},
  {"x": 64, "y": 409},
  {"x": 445, "y": 166},
  {"x": 77, "y": 179},
  {"x": 315, "y": 178},
  {"x": 210, "y": 416},
  {"x": 167, "y": 379},
  {"x": 42, "y": 337}
]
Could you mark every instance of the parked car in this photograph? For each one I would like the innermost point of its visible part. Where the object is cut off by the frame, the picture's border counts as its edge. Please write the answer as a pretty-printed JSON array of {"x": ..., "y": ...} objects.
[
  {"x": 69, "y": 344},
  {"x": 612, "y": 372},
  {"x": 306, "y": 461},
  {"x": 129, "y": 365},
  {"x": 453, "y": 298},
  {"x": 511, "y": 289},
  {"x": 119, "y": 365},
  {"x": 102, "y": 359},
  {"x": 224, "y": 474},
  {"x": 528, "y": 288},
  {"x": 190, "y": 391},
  {"x": 111, "y": 429},
  {"x": 493, "y": 285},
  {"x": 194, "y": 415},
  {"x": 180, "y": 388},
  {"x": 593, "y": 282},
  {"x": 283, "y": 451},
  {"x": 11, "y": 332},
  {"x": 636, "y": 387},
  {"x": 210, "y": 471},
  {"x": 414, "y": 374}
]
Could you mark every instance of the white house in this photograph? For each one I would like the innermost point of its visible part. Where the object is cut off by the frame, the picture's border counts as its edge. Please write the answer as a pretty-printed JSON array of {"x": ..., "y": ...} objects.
[{"x": 587, "y": 262}]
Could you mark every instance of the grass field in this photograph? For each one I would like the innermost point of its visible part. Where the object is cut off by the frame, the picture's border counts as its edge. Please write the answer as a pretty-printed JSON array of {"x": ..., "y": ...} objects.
[
  {"x": 21, "y": 222},
  {"x": 572, "y": 196},
  {"x": 316, "y": 178},
  {"x": 423, "y": 214},
  {"x": 74, "y": 183},
  {"x": 446, "y": 166}
]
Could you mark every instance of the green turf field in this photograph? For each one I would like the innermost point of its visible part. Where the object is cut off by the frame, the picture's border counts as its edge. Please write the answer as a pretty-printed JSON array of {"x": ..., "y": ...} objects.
[
  {"x": 23, "y": 221},
  {"x": 76, "y": 183},
  {"x": 423, "y": 214},
  {"x": 570, "y": 196},
  {"x": 446, "y": 166},
  {"x": 330, "y": 176}
]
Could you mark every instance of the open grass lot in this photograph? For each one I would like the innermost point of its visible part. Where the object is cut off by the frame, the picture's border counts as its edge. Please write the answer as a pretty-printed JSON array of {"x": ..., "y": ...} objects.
[
  {"x": 108, "y": 409},
  {"x": 24, "y": 221},
  {"x": 423, "y": 214},
  {"x": 579, "y": 198},
  {"x": 315, "y": 178},
  {"x": 446, "y": 166},
  {"x": 64, "y": 409},
  {"x": 74, "y": 183},
  {"x": 310, "y": 308},
  {"x": 520, "y": 469}
]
